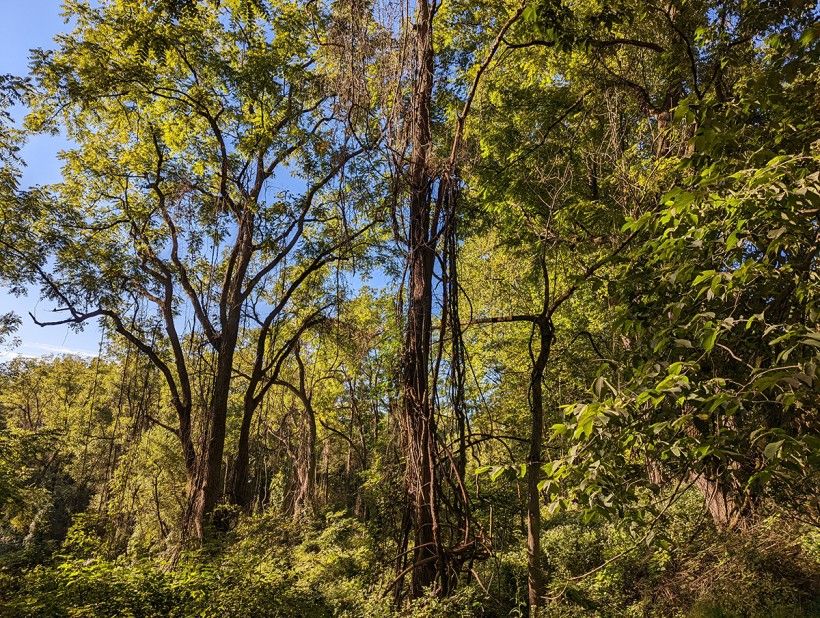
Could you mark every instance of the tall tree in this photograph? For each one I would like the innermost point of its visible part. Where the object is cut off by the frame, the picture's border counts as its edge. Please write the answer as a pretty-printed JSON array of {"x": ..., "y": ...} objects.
[{"x": 173, "y": 224}]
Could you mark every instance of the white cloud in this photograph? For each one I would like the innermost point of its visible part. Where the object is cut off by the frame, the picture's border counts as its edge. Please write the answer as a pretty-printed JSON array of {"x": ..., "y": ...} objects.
[
  {"x": 7, "y": 355},
  {"x": 42, "y": 349}
]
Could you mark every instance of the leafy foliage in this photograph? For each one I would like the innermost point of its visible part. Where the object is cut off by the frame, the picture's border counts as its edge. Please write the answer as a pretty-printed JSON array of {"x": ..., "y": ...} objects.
[{"x": 621, "y": 248}]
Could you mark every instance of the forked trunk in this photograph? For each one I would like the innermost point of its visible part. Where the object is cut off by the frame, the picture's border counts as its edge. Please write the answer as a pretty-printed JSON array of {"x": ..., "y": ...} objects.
[{"x": 206, "y": 485}]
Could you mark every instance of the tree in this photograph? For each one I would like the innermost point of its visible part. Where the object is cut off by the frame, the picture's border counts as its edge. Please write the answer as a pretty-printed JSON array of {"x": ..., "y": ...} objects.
[
  {"x": 717, "y": 388},
  {"x": 564, "y": 177},
  {"x": 586, "y": 375},
  {"x": 170, "y": 226},
  {"x": 13, "y": 90},
  {"x": 431, "y": 186}
]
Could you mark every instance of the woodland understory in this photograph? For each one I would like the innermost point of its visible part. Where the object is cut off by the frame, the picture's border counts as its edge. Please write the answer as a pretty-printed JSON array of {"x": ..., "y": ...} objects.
[{"x": 440, "y": 308}]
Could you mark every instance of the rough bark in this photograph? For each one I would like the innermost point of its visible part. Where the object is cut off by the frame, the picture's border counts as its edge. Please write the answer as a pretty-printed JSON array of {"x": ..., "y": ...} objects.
[
  {"x": 208, "y": 487},
  {"x": 726, "y": 509},
  {"x": 419, "y": 422},
  {"x": 536, "y": 584}
]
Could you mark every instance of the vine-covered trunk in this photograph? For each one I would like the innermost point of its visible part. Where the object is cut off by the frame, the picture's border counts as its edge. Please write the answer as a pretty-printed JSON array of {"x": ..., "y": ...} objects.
[{"x": 419, "y": 423}]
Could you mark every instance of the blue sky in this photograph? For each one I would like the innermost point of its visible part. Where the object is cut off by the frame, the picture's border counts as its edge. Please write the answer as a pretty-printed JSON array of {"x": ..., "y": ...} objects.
[
  {"x": 30, "y": 24},
  {"x": 27, "y": 24}
]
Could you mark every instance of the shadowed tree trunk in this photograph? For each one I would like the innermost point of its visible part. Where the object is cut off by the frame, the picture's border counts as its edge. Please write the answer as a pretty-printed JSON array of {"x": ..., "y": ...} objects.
[
  {"x": 419, "y": 423},
  {"x": 536, "y": 586}
]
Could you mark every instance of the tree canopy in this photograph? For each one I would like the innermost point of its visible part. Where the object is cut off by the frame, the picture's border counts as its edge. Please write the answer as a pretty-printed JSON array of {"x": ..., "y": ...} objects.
[{"x": 442, "y": 308}]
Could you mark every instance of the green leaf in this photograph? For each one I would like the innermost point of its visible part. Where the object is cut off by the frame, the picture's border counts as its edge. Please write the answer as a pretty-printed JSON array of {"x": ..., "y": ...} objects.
[
  {"x": 497, "y": 472},
  {"x": 771, "y": 450},
  {"x": 586, "y": 421},
  {"x": 529, "y": 13},
  {"x": 709, "y": 338}
]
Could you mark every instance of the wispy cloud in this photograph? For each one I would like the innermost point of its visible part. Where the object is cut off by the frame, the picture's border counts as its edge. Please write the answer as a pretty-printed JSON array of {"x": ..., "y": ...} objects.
[{"x": 42, "y": 349}]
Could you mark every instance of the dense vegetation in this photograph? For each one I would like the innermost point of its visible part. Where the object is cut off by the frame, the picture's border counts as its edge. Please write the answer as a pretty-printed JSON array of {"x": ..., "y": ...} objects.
[{"x": 450, "y": 308}]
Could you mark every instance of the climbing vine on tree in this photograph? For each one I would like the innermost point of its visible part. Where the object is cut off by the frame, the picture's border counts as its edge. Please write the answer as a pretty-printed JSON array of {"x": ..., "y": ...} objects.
[{"x": 429, "y": 309}]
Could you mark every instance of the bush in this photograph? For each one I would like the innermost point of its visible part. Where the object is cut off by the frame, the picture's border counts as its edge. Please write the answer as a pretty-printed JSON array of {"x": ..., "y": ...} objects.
[
  {"x": 269, "y": 566},
  {"x": 692, "y": 570}
]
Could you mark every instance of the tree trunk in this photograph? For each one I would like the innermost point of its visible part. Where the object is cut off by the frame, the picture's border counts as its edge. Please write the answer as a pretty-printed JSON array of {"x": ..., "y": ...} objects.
[
  {"x": 536, "y": 586},
  {"x": 305, "y": 498},
  {"x": 723, "y": 505},
  {"x": 238, "y": 489},
  {"x": 419, "y": 423},
  {"x": 208, "y": 486},
  {"x": 304, "y": 460}
]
